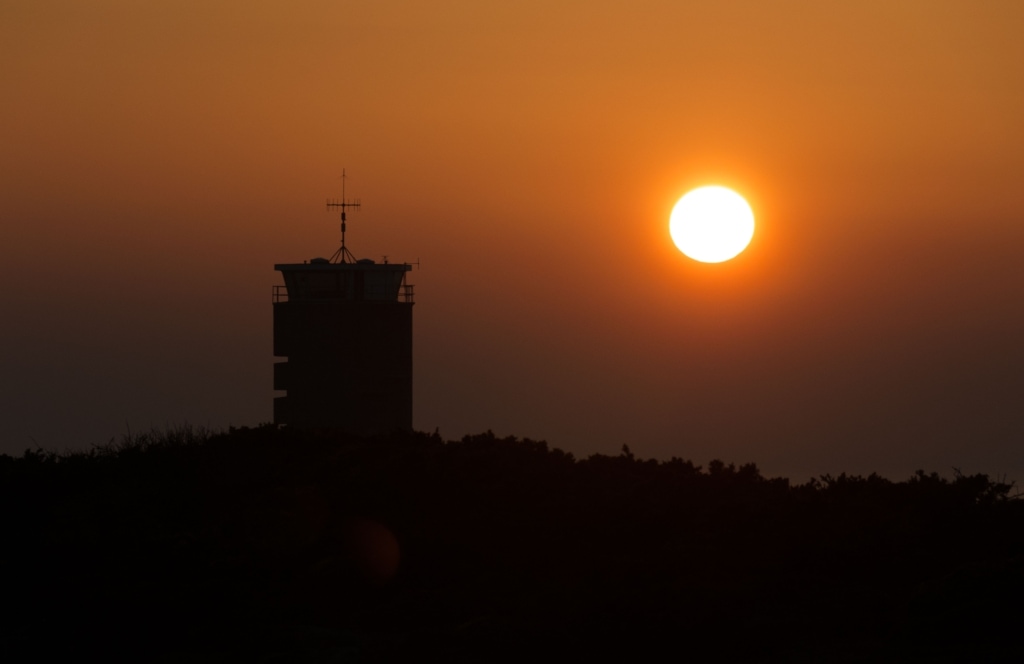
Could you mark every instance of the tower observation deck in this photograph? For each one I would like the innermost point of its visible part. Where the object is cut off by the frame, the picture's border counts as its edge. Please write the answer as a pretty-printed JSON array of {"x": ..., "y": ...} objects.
[{"x": 345, "y": 327}]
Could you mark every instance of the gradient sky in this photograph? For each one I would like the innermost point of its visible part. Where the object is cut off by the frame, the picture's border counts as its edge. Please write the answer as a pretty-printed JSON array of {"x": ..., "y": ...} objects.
[{"x": 159, "y": 157}]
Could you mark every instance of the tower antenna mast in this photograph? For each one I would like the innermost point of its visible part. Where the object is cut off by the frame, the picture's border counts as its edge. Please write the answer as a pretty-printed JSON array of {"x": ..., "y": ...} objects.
[{"x": 343, "y": 255}]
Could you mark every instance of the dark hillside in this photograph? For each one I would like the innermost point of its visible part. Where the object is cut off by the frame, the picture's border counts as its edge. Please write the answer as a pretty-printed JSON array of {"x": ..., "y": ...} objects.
[{"x": 277, "y": 546}]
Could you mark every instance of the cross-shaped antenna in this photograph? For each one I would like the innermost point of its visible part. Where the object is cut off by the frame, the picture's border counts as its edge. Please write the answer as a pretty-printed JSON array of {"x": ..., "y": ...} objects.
[{"x": 343, "y": 255}]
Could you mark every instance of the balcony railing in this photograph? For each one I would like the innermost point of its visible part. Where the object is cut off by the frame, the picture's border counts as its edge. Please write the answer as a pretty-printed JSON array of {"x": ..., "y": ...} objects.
[{"x": 405, "y": 294}]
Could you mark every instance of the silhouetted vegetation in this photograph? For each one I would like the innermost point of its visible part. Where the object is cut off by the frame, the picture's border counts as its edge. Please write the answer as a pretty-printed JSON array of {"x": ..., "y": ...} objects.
[{"x": 272, "y": 545}]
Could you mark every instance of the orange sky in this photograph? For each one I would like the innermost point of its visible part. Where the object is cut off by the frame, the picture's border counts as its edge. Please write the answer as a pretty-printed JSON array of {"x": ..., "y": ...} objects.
[{"x": 158, "y": 158}]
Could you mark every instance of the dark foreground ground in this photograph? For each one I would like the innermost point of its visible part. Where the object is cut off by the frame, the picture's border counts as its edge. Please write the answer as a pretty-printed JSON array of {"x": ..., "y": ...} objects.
[{"x": 263, "y": 545}]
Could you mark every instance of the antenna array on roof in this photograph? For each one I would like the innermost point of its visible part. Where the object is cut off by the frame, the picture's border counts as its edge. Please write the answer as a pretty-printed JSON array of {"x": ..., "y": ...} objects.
[{"x": 343, "y": 255}]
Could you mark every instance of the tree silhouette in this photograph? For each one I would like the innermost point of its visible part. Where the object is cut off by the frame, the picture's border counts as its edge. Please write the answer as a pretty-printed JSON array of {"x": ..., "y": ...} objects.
[{"x": 267, "y": 542}]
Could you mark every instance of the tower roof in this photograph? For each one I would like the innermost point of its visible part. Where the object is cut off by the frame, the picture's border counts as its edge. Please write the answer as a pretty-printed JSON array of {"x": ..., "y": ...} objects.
[{"x": 319, "y": 279}]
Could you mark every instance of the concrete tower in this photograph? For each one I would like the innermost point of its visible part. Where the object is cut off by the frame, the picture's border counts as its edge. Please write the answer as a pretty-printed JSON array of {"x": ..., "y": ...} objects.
[{"x": 345, "y": 327}]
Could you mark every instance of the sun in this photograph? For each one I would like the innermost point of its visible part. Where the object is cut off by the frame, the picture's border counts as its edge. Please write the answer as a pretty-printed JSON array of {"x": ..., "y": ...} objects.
[{"x": 711, "y": 224}]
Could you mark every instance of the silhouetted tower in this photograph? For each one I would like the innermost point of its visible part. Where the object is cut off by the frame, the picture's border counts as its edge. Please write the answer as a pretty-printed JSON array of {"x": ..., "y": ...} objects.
[{"x": 345, "y": 326}]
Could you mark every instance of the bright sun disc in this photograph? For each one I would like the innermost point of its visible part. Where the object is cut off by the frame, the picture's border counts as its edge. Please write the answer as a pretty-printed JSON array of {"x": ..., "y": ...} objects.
[{"x": 711, "y": 224}]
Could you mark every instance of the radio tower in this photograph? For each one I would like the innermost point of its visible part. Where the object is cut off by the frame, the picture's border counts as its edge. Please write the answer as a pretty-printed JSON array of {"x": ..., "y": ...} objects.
[{"x": 343, "y": 333}]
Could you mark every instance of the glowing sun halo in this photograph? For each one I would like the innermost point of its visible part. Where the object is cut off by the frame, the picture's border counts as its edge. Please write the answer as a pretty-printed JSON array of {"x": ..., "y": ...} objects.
[{"x": 711, "y": 224}]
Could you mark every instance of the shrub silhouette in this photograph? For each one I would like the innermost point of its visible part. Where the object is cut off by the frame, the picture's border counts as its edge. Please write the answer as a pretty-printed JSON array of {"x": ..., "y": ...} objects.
[{"x": 267, "y": 543}]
